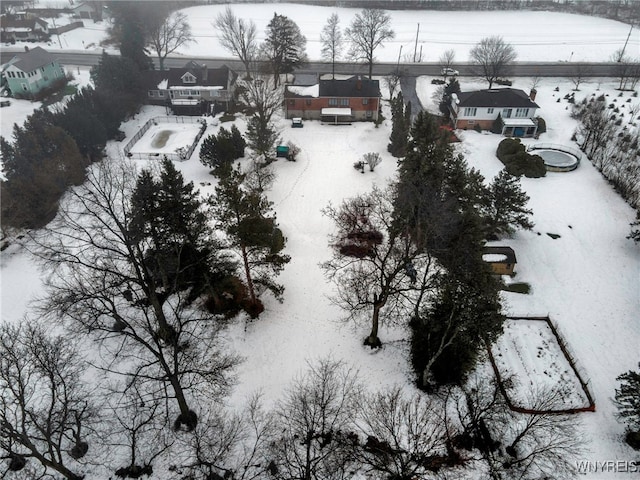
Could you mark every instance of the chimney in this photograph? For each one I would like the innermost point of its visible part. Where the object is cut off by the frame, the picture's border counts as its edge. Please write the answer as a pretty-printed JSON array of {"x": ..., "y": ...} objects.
[
  {"x": 358, "y": 82},
  {"x": 532, "y": 94},
  {"x": 204, "y": 72}
]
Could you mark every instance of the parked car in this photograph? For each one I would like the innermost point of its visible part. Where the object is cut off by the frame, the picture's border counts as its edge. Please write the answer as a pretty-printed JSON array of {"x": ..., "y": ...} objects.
[
  {"x": 449, "y": 72},
  {"x": 296, "y": 122}
]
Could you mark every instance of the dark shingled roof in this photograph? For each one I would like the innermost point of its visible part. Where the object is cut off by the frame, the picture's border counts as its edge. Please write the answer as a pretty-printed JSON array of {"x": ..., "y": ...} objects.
[
  {"x": 497, "y": 97},
  {"x": 506, "y": 251},
  {"x": 205, "y": 77},
  {"x": 351, "y": 87},
  {"x": 34, "y": 58}
]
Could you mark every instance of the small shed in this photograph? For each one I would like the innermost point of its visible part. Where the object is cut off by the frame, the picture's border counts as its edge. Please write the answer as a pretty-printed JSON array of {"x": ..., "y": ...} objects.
[{"x": 502, "y": 260}]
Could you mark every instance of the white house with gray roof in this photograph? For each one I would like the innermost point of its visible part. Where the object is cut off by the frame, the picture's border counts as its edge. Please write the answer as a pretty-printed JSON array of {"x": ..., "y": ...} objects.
[
  {"x": 513, "y": 108},
  {"x": 29, "y": 73}
]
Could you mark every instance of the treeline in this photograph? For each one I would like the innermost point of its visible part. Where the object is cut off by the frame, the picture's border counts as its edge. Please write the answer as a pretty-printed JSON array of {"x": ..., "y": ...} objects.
[
  {"x": 51, "y": 151},
  {"x": 608, "y": 135},
  {"x": 624, "y": 10}
]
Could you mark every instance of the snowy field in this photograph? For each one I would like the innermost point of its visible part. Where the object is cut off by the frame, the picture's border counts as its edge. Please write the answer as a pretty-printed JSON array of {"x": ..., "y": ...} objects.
[
  {"x": 167, "y": 138},
  {"x": 528, "y": 353},
  {"x": 536, "y": 36}
]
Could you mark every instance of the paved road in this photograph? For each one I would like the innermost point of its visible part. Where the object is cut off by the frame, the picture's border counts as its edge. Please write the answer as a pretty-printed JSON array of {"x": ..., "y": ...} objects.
[{"x": 520, "y": 69}]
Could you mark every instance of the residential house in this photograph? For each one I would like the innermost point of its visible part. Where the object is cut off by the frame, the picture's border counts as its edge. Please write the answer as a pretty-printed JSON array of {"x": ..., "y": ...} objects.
[
  {"x": 334, "y": 101},
  {"x": 508, "y": 111},
  {"x": 87, "y": 11},
  {"x": 194, "y": 89},
  {"x": 502, "y": 260},
  {"x": 29, "y": 73},
  {"x": 23, "y": 27}
]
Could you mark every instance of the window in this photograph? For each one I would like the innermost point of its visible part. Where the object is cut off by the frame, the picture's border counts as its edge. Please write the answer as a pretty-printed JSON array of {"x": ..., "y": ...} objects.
[
  {"x": 308, "y": 101},
  {"x": 470, "y": 111},
  {"x": 369, "y": 114},
  {"x": 522, "y": 112},
  {"x": 506, "y": 112},
  {"x": 333, "y": 102},
  {"x": 152, "y": 93},
  {"x": 489, "y": 111},
  {"x": 188, "y": 78},
  {"x": 160, "y": 93},
  {"x": 194, "y": 92},
  {"x": 24, "y": 87},
  {"x": 292, "y": 103},
  {"x": 183, "y": 93},
  {"x": 344, "y": 102},
  {"x": 365, "y": 101}
]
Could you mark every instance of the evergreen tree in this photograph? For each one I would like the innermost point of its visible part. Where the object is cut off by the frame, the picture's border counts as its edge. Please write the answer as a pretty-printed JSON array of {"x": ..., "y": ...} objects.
[
  {"x": 219, "y": 151},
  {"x": 627, "y": 400},
  {"x": 168, "y": 217},
  {"x": 245, "y": 215},
  {"x": 398, "y": 141},
  {"x": 120, "y": 81},
  {"x": 84, "y": 124},
  {"x": 239, "y": 142},
  {"x": 284, "y": 46},
  {"x": 261, "y": 137},
  {"x": 508, "y": 206},
  {"x": 635, "y": 230},
  {"x": 38, "y": 167},
  {"x": 130, "y": 30}
]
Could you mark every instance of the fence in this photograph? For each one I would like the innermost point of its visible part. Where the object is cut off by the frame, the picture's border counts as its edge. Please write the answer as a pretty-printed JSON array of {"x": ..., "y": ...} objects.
[
  {"x": 177, "y": 156},
  {"x": 571, "y": 359},
  {"x": 554, "y": 146}
]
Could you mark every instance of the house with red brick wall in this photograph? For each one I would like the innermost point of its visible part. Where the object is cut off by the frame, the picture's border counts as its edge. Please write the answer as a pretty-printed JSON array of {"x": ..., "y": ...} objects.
[
  {"x": 334, "y": 101},
  {"x": 508, "y": 111}
]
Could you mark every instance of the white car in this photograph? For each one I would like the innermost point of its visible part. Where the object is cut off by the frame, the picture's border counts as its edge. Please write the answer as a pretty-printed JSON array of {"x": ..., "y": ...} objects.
[{"x": 449, "y": 72}]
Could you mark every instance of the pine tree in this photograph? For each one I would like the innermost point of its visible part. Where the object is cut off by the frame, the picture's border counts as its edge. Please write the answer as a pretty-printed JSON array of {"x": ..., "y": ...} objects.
[
  {"x": 239, "y": 142},
  {"x": 627, "y": 400},
  {"x": 508, "y": 206},
  {"x": 245, "y": 215},
  {"x": 168, "y": 217},
  {"x": 261, "y": 137},
  {"x": 219, "y": 151},
  {"x": 284, "y": 46},
  {"x": 399, "y": 139}
]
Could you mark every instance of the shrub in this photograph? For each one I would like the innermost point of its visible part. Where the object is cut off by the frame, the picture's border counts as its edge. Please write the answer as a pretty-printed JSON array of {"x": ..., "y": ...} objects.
[
  {"x": 517, "y": 161},
  {"x": 542, "y": 125},
  {"x": 633, "y": 439},
  {"x": 497, "y": 125}
]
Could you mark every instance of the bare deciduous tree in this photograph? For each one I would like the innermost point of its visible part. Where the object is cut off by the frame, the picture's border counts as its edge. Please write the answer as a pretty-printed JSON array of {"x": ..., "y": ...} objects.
[
  {"x": 331, "y": 38},
  {"x": 119, "y": 288},
  {"x": 492, "y": 58},
  {"x": 378, "y": 269},
  {"x": 369, "y": 30},
  {"x": 47, "y": 413},
  {"x": 406, "y": 436},
  {"x": 238, "y": 36},
  {"x": 170, "y": 34},
  {"x": 446, "y": 61},
  {"x": 231, "y": 445},
  {"x": 313, "y": 422},
  {"x": 579, "y": 71}
]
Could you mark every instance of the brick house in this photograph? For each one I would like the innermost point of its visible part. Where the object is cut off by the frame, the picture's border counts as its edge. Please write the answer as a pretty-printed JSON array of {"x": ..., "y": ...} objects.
[
  {"x": 194, "y": 89},
  {"x": 28, "y": 73},
  {"x": 334, "y": 101},
  {"x": 508, "y": 111}
]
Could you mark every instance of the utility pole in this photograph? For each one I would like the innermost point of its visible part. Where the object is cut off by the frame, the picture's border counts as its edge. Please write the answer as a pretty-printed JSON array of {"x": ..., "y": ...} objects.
[
  {"x": 57, "y": 34},
  {"x": 625, "y": 45},
  {"x": 398, "y": 65},
  {"x": 415, "y": 49}
]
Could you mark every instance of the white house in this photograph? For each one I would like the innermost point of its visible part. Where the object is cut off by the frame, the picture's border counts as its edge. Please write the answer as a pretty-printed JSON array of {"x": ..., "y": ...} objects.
[{"x": 506, "y": 110}]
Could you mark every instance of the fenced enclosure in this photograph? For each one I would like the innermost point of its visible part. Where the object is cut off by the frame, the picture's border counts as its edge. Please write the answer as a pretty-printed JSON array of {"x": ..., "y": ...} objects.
[{"x": 180, "y": 154}]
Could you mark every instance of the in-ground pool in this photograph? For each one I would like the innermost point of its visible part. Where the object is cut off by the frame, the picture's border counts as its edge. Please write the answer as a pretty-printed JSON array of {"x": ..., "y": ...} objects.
[{"x": 557, "y": 158}]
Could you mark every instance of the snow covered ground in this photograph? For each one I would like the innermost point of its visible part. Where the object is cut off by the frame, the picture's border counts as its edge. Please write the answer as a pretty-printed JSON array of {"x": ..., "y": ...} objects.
[
  {"x": 587, "y": 280},
  {"x": 537, "y": 36}
]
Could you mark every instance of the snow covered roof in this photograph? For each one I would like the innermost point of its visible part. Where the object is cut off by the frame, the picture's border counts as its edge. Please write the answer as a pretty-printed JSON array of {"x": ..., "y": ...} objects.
[
  {"x": 304, "y": 91},
  {"x": 499, "y": 255},
  {"x": 336, "y": 111}
]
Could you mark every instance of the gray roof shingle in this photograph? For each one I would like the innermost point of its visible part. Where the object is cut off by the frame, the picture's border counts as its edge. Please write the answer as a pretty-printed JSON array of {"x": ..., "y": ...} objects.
[
  {"x": 497, "y": 97},
  {"x": 34, "y": 58},
  {"x": 355, "y": 86}
]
